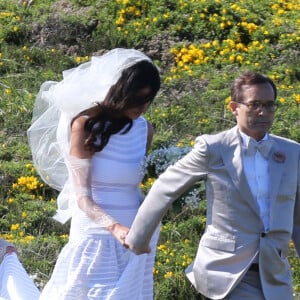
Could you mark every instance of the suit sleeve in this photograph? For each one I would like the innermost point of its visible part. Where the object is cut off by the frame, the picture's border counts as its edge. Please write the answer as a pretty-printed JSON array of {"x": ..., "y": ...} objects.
[{"x": 167, "y": 188}]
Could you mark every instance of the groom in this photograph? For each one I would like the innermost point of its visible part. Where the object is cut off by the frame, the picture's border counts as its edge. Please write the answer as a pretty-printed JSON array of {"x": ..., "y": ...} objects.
[{"x": 252, "y": 181}]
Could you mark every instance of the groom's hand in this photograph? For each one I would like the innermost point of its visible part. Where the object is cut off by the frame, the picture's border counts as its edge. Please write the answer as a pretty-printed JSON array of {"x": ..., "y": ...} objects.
[{"x": 137, "y": 251}]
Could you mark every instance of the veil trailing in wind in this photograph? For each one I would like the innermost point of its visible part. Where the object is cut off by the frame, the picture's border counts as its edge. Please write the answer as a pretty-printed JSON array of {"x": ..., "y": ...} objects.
[{"x": 57, "y": 103}]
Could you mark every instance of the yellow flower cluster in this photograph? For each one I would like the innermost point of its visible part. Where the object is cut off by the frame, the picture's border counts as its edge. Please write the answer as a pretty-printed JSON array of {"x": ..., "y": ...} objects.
[
  {"x": 236, "y": 49},
  {"x": 251, "y": 27},
  {"x": 9, "y": 237},
  {"x": 297, "y": 98},
  {"x": 169, "y": 258},
  {"x": 80, "y": 59},
  {"x": 64, "y": 237},
  {"x": 27, "y": 239},
  {"x": 145, "y": 186},
  {"x": 229, "y": 51},
  {"x": 282, "y": 6},
  {"x": 128, "y": 11},
  {"x": 14, "y": 227},
  {"x": 238, "y": 9},
  {"x": 189, "y": 55},
  {"x": 27, "y": 183},
  {"x": 30, "y": 167},
  {"x": 10, "y": 200},
  {"x": 8, "y": 91},
  {"x": 169, "y": 275},
  {"x": 5, "y": 14}
]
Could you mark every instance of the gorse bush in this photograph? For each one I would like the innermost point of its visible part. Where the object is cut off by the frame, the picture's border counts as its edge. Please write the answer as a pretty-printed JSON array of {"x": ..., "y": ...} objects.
[{"x": 200, "y": 46}]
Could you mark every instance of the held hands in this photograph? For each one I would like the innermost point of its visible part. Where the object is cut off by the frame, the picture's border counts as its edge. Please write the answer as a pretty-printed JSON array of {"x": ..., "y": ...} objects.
[
  {"x": 138, "y": 251},
  {"x": 120, "y": 232}
]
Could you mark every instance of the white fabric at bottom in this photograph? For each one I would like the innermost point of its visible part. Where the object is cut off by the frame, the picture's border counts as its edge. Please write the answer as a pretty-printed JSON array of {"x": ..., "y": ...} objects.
[
  {"x": 122, "y": 276},
  {"x": 15, "y": 284}
]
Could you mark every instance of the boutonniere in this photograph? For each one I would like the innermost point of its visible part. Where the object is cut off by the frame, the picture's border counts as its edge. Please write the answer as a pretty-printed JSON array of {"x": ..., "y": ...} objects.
[{"x": 279, "y": 157}]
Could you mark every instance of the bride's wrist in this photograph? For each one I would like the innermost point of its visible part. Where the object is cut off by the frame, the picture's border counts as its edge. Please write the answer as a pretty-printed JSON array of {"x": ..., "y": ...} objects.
[{"x": 112, "y": 227}]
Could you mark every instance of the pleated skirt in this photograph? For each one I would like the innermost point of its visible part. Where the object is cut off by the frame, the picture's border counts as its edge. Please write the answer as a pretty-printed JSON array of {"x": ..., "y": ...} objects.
[{"x": 94, "y": 265}]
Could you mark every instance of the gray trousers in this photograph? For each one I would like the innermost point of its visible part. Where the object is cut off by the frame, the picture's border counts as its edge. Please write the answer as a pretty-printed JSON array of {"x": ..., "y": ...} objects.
[{"x": 248, "y": 289}]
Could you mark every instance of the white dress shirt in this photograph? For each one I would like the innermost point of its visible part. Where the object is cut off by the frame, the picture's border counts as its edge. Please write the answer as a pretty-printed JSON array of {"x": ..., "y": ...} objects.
[{"x": 257, "y": 174}]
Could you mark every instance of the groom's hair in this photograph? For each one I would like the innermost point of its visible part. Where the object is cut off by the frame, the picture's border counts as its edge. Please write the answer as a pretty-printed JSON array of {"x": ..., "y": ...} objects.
[{"x": 248, "y": 79}]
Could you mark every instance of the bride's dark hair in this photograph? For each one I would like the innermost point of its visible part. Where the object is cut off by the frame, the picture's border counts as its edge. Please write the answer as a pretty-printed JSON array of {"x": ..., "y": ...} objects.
[{"x": 106, "y": 117}]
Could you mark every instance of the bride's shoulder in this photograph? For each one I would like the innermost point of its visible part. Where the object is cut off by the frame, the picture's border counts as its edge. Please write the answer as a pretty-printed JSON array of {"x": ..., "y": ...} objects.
[{"x": 79, "y": 123}]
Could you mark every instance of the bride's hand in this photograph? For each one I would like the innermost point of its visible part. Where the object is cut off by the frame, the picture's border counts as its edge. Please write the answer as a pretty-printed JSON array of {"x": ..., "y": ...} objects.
[{"x": 119, "y": 231}]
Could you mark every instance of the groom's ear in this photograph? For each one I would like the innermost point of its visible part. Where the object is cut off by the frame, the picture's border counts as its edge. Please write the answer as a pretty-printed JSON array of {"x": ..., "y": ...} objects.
[{"x": 233, "y": 107}]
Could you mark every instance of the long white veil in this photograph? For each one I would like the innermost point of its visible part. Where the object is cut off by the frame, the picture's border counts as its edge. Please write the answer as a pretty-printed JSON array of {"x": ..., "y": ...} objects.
[{"x": 55, "y": 106}]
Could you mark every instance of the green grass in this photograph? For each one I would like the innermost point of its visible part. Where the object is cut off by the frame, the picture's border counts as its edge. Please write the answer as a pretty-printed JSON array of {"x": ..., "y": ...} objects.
[{"x": 200, "y": 46}]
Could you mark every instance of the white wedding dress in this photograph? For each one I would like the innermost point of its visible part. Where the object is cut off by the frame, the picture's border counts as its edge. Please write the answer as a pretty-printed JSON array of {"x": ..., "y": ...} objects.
[
  {"x": 93, "y": 264},
  {"x": 15, "y": 283}
]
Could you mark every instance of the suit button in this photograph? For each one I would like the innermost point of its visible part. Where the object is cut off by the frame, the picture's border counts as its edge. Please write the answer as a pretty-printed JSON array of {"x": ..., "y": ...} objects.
[{"x": 263, "y": 234}]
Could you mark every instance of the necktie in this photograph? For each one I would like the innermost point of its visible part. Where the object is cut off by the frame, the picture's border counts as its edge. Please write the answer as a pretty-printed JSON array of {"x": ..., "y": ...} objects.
[{"x": 263, "y": 147}]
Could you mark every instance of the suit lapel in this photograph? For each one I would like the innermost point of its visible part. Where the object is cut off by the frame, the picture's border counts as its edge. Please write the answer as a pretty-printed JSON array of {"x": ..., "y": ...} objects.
[
  {"x": 232, "y": 159},
  {"x": 276, "y": 170}
]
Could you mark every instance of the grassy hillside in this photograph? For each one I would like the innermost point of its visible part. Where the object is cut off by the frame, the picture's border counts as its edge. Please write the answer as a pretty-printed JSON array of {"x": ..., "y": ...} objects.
[{"x": 199, "y": 45}]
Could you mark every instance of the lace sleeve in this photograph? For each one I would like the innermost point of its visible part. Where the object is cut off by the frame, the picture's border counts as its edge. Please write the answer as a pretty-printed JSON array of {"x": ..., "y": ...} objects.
[{"x": 81, "y": 181}]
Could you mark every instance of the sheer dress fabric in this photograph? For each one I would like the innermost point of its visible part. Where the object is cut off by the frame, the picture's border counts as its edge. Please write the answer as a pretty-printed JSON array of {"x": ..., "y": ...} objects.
[
  {"x": 93, "y": 264},
  {"x": 15, "y": 283}
]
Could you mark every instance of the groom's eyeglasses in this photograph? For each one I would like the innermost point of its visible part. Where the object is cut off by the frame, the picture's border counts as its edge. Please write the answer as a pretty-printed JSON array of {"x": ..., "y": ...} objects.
[{"x": 269, "y": 106}]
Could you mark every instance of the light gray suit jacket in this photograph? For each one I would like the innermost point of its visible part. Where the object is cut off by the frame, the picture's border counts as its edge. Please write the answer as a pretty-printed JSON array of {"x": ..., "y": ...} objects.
[{"x": 234, "y": 233}]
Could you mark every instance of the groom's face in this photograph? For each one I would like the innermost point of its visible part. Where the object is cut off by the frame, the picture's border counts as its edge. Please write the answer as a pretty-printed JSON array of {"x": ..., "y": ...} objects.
[{"x": 255, "y": 111}]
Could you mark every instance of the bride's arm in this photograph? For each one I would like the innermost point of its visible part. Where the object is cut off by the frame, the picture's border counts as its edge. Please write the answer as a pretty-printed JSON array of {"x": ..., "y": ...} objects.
[{"x": 80, "y": 166}]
